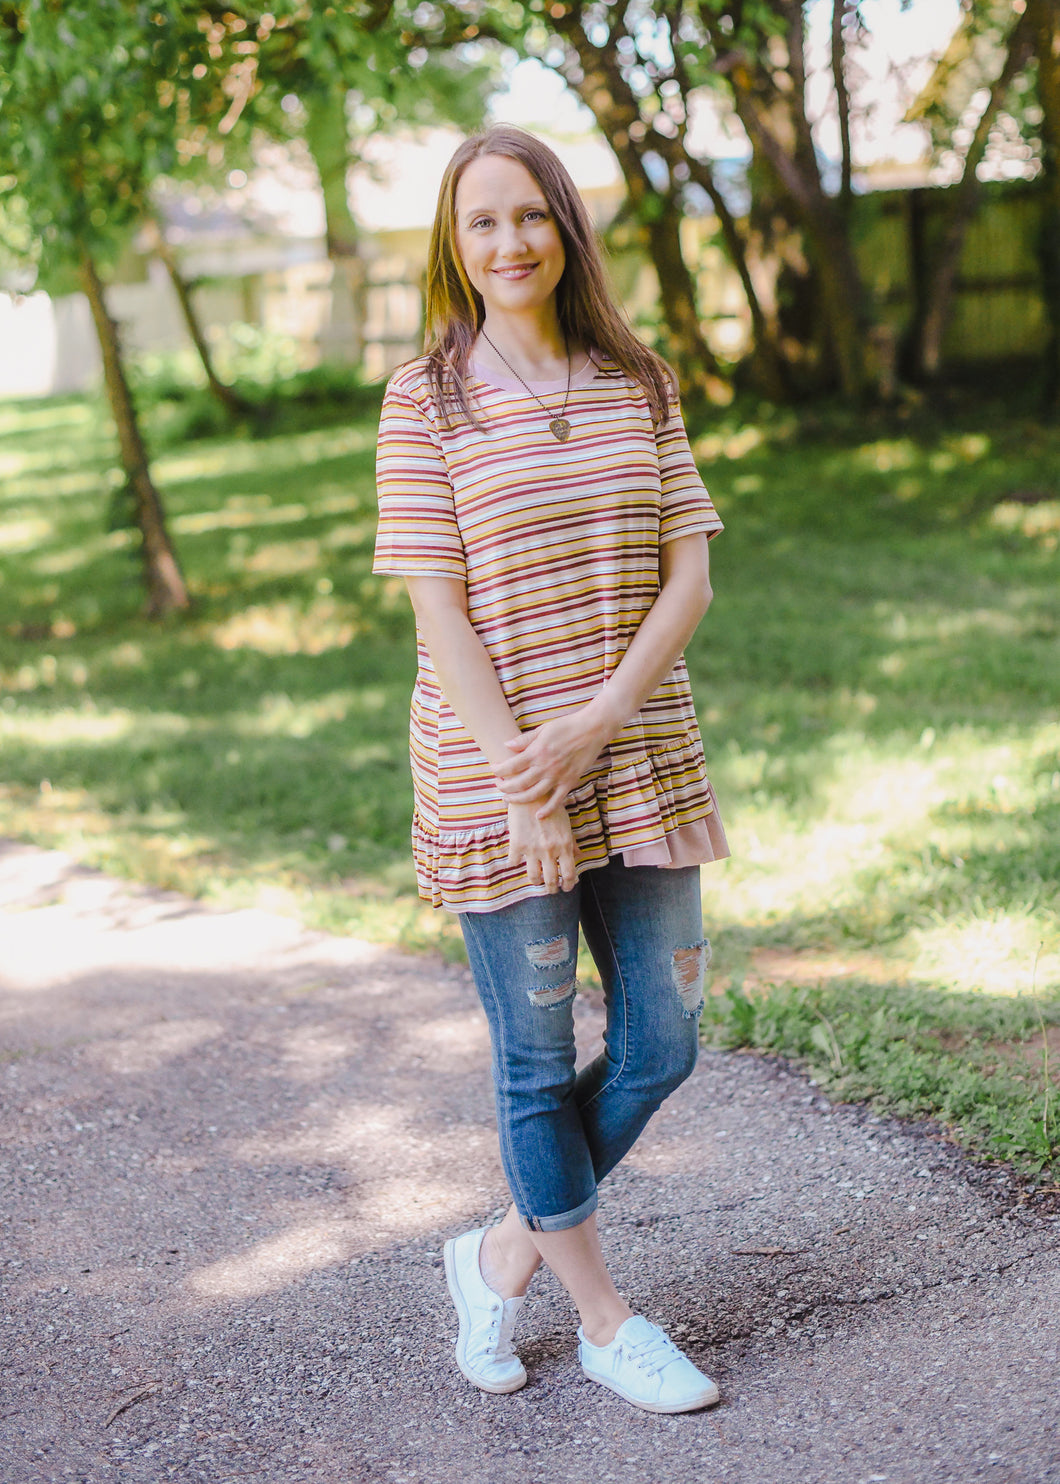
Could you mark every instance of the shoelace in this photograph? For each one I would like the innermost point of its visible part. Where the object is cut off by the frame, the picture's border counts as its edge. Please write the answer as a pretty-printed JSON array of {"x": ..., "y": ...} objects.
[
  {"x": 509, "y": 1314},
  {"x": 654, "y": 1353},
  {"x": 498, "y": 1343}
]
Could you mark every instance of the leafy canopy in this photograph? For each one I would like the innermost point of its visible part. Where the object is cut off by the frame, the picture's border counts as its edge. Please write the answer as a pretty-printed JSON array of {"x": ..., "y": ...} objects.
[{"x": 91, "y": 98}]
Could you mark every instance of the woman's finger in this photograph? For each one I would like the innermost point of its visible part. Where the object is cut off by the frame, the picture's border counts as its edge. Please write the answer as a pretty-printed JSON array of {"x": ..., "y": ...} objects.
[
  {"x": 508, "y": 784},
  {"x": 522, "y": 794},
  {"x": 555, "y": 798},
  {"x": 523, "y": 769}
]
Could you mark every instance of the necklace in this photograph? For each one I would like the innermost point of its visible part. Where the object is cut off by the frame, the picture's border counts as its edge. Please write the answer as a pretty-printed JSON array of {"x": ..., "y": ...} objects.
[{"x": 559, "y": 427}]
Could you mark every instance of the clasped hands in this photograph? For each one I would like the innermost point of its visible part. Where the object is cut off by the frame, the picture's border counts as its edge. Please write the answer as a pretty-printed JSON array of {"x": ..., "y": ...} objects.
[{"x": 545, "y": 765}]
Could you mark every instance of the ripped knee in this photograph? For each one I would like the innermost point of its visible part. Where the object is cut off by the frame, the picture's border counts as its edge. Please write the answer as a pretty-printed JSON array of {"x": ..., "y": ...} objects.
[
  {"x": 688, "y": 965},
  {"x": 551, "y": 953},
  {"x": 548, "y": 996},
  {"x": 547, "y": 953}
]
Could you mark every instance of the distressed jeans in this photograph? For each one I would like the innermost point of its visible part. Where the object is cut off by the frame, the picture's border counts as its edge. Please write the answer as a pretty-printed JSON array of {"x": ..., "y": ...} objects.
[{"x": 560, "y": 1134}]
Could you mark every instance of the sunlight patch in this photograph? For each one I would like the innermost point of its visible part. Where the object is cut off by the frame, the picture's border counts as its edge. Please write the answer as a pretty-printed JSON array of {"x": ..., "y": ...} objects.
[
  {"x": 309, "y": 1053},
  {"x": 405, "y": 1207},
  {"x": 288, "y": 628},
  {"x": 729, "y": 445},
  {"x": 276, "y": 1262},
  {"x": 47, "y": 728},
  {"x": 1038, "y": 521},
  {"x": 1001, "y": 953},
  {"x": 280, "y": 716},
  {"x": 23, "y": 535},
  {"x": 887, "y": 454},
  {"x": 294, "y": 451},
  {"x": 283, "y": 558}
]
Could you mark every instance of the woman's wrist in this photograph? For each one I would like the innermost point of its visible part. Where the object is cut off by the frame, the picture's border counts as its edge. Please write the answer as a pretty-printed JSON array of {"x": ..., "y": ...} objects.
[
  {"x": 605, "y": 713},
  {"x": 526, "y": 810}
]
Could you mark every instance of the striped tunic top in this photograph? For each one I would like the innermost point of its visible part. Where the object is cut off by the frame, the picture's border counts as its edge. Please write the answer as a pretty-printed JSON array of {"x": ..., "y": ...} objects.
[{"x": 558, "y": 545}]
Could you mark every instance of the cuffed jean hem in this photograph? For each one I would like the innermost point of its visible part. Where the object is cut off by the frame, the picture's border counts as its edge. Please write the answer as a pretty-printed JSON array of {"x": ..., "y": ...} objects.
[{"x": 563, "y": 1220}]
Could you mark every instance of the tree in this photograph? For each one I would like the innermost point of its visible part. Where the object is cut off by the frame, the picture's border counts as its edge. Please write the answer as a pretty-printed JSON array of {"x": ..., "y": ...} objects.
[{"x": 87, "y": 107}]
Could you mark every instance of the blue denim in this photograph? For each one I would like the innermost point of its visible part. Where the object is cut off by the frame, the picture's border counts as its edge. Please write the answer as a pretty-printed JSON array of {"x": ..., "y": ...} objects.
[{"x": 560, "y": 1134}]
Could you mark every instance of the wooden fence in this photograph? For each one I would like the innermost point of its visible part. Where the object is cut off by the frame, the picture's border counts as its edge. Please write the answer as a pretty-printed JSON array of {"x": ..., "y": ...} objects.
[{"x": 998, "y": 310}]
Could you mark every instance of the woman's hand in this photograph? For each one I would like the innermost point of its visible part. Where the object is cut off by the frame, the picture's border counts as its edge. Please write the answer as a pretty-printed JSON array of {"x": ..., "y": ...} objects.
[
  {"x": 548, "y": 762},
  {"x": 544, "y": 844}
]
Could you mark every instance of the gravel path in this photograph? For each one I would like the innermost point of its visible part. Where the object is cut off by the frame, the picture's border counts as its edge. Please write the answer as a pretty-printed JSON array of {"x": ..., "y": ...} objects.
[{"x": 233, "y": 1149}]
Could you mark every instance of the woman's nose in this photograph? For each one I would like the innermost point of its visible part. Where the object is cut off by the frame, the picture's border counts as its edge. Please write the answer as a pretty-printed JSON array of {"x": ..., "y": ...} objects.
[{"x": 512, "y": 243}]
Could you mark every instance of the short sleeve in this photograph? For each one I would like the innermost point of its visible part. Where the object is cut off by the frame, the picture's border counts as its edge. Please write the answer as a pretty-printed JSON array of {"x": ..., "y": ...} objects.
[
  {"x": 686, "y": 507},
  {"x": 418, "y": 535}
]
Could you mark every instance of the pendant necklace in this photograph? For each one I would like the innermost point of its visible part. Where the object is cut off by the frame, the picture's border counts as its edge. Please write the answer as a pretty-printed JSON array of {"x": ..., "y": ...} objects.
[{"x": 559, "y": 427}]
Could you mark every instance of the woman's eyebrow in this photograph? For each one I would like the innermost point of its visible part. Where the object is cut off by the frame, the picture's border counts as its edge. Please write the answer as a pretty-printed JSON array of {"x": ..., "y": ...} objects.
[{"x": 539, "y": 203}]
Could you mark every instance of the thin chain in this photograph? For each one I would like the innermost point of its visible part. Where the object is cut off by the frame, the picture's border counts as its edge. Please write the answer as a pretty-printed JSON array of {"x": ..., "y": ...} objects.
[{"x": 561, "y": 416}]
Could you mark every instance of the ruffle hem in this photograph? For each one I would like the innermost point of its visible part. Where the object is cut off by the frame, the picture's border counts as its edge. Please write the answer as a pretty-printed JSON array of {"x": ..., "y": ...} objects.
[{"x": 657, "y": 809}]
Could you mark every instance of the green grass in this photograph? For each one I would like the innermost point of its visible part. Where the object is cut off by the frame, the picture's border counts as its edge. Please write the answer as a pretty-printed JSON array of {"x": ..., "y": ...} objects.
[{"x": 878, "y": 686}]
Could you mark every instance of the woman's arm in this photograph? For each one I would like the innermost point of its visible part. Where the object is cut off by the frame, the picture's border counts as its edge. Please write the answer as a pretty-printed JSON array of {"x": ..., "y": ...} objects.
[
  {"x": 539, "y": 836},
  {"x": 548, "y": 761}
]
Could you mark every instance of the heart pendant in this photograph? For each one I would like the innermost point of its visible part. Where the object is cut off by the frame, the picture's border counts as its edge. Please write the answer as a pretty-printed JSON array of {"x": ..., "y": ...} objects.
[{"x": 559, "y": 427}]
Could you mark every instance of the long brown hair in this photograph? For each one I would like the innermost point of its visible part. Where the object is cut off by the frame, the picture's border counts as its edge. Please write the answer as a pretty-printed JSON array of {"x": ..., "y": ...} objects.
[{"x": 588, "y": 315}]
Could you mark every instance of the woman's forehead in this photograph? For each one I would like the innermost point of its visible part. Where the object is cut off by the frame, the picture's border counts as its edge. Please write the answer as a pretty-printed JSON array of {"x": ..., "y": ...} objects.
[{"x": 492, "y": 180}]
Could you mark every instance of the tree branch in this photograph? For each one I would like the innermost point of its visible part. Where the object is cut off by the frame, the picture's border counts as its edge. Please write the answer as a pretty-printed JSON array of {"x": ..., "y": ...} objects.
[{"x": 840, "y": 9}]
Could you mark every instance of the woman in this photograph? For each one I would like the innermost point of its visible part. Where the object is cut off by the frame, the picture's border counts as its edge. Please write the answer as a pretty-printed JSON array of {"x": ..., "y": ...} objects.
[{"x": 538, "y": 495}]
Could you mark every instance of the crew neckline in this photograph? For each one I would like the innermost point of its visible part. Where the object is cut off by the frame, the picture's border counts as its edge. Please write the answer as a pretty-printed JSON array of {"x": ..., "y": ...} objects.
[{"x": 505, "y": 383}]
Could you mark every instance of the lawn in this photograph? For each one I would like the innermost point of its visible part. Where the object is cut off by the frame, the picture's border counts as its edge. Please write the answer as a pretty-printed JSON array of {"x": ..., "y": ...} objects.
[{"x": 878, "y": 684}]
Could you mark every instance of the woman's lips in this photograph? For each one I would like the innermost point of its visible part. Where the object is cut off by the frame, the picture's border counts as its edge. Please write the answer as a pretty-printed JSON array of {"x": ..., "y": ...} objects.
[{"x": 520, "y": 272}]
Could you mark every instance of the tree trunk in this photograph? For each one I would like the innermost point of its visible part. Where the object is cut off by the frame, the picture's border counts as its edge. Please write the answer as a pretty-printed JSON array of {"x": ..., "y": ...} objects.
[
  {"x": 166, "y": 591},
  {"x": 841, "y": 9},
  {"x": 766, "y": 359},
  {"x": 692, "y": 357},
  {"x": 327, "y": 138},
  {"x": 842, "y": 292},
  {"x": 771, "y": 372},
  {"x": 228, "y": 396},
  {"x": 1044, "y": 18},
  {"x": 927, "y": 333}
]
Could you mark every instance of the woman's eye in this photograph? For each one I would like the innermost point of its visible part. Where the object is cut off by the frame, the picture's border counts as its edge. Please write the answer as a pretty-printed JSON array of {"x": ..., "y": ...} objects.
[
  {"x": 535, "y": 215},
  {"x": 482, "y": 221}
]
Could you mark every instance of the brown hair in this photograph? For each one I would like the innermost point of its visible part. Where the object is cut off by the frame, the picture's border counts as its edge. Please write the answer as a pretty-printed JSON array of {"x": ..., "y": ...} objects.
[{"x": 588, "y": 314}]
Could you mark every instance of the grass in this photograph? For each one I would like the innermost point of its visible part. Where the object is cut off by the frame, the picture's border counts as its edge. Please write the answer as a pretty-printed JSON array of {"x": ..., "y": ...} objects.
[{"x": 878, "y": 686}]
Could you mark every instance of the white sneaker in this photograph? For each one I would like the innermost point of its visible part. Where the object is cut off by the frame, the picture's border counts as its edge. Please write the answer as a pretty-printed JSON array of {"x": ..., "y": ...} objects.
[
  {"x": 484, "y": 1342},
  {"x": 643, "y": 1365}
]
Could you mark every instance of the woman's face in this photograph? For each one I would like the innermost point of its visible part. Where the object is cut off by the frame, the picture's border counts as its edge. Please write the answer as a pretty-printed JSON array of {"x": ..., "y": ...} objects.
[{"x": 506, "y": 236}]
